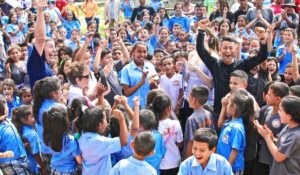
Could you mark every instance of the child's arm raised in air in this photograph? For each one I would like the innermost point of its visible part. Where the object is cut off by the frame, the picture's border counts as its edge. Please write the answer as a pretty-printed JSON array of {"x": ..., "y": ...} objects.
[
  {"x": 135, "y": 120},
  {"x": 222, "y": 116},
  {"x": 123, "y": 128}
]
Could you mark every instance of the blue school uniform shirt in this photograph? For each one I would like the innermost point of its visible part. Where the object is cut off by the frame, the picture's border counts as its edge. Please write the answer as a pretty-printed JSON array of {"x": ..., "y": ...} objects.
[
  {"x": 160, "y": 150},
  {"x": 132, "y": 166},
  {"x": 70, "y": 25},
  {"x": 125, "y": 152},
  {"x": 46, "y": 105},
  {"x": 10, "y": 140},
  {"x": 165, "y": 22},
  {"x": 182, "y": 20},
  {"x": 15, "y": 103},
  {"x": 217, "y": 165},
  {"x": 35, "y": 146},
  {"x": 64, "y": 161},
  {"x": 37, "y": 67},
  {"x": 286, "y": 59},
  {"x": 132, "y": 75},
  {"x": 156, "y": 4},
  {"x": 127, "y": 10},
  {"x": 233, "y": 137},
  {"x": 96, "y": 151}
]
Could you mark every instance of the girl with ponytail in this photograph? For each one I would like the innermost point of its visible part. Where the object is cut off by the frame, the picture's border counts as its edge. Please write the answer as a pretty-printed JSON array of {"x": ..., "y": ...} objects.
[
  {"x": 171, "y": 132},
  {"x": 232, "y": 140},
  {"x": 96, "y": 148},
  {"x": 46, "y": 94},
  {"x": 23, "y": 120},
  {"x": 63, "y": 146}
]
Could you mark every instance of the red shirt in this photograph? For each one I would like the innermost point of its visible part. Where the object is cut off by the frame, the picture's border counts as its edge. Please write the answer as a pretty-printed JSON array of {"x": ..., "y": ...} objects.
[
  {"x": 297, "y": 3},
  {"x": 60, "y": 4},
  {"x": 276, "y": 9}
]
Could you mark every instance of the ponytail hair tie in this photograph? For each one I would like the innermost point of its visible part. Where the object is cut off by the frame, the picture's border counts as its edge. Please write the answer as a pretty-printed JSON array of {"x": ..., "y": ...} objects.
[{"x": 83, "y": 108}]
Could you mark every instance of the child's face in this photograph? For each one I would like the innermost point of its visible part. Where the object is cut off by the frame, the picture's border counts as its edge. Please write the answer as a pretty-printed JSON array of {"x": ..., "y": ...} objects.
[
  {"x": 123, "y": 35},
  {"x": 102, "y": 125},
  {"x": 24, "y": 52},
  {"x": 8, "y": 90},
  {"x": 15, "y": 54},
  {"x": 146, "y": 17},
  {"x": 168, "y": 66},
  {"x": 254, "y": 44},
  {"x": 113, "y": 35},
  {"x": 162, "y": 13},
  {"x": 271, "y": 67},
  {"x": 284, "y": 117},
  {"x": 241, "y": 22},
  {"x": 230, "y": 108},
  {"x": 157, "y": 58},
  {"x": 70, "y": 16},
  {"x": 179, "y": 63},
  {"x": 30, "y": 120},
  {"x": 288, "y": 79},
  {"x": 201, "y": 152},
  {"x": 236, "y": 83},
  {"x": 224, "y": 28},
  {"x": 139, "y": 54},
  {"x": 191, "y": 100},
  {"x": 178, "y": 10},
  {"x": 288, "y": 36},
  {"x": 92, "y": 28},
  {"x": 143, "y": 35},
  {"x": 176, "y": 30},
  {"x": 171, "y": 47},
  {"x": 26, "y": 97},
  {"x": 271, "y": 99},
  {"x": 164, "y": 35}
]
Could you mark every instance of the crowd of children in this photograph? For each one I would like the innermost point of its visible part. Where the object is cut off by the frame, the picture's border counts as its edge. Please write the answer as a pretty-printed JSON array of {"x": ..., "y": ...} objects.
[{"x": 210, "y": 88}]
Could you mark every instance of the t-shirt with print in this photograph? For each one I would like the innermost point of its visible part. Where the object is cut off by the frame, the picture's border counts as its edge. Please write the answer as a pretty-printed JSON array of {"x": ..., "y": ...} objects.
[
  {"x": 274, "y": 124},
  {"x": 171, "y": 86},
  {"x": 172, "y": 134},
  {"x": 200, "y": 118}
]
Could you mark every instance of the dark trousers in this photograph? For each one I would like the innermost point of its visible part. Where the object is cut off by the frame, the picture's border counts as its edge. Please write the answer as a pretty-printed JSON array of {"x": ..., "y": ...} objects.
[
  {"x": 172, "y": 171},
  {"x": 184, "y": 113}
]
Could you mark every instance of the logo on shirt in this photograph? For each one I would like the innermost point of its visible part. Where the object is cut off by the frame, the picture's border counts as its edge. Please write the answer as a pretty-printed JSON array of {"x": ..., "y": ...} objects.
[
  {"x": 276, "y": 123},
  {"x": 176, "y": 83},
  {"x": 225, "y": 138}
]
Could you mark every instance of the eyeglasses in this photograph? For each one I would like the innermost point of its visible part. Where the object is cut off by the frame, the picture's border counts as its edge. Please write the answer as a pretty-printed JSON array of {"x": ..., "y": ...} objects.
[{"x": 85, "y": 76}]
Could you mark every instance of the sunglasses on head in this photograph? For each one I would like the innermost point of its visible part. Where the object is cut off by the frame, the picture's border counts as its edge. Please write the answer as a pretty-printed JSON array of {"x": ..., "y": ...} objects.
[{"x": 85, "y": 76}]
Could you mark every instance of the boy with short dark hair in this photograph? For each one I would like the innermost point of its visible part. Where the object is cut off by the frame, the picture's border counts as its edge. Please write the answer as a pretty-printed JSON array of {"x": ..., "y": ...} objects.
[
  {"x": 142, "y": 146},
  {"x": 270, "y": 117},
  {"x": 204, "y": 158},
  {"x": 200, "y": 118}
]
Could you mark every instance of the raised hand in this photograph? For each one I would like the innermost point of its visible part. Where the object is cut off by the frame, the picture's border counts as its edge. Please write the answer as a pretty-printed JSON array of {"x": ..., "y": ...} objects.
[
  {"x": 203, "y": 24},
  {"x": 136, "y": 101},
  {"x": 117, "y": 114}
]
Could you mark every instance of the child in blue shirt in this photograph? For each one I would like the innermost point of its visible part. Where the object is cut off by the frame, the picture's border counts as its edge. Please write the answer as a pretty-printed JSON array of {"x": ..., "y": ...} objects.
[
  {"x": 23, "y": 120},
  {"x": 284, "y": 52},
  {"x": 64, "y": 148},
  {"x": 10, "y": 91},
  {"x": 179, "y": 18},
  {"x": 143, "y": 146},
  {"x": 126, "y": 151},
  {"x": 95, "y": 148},
  {"x": 127, "y": 7},
  {"x": 232, "y": 140},
  {"x": 204, "y": 160},
  {"x": 148, "y": 123},
  {"x": 13, "y": 157}
]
